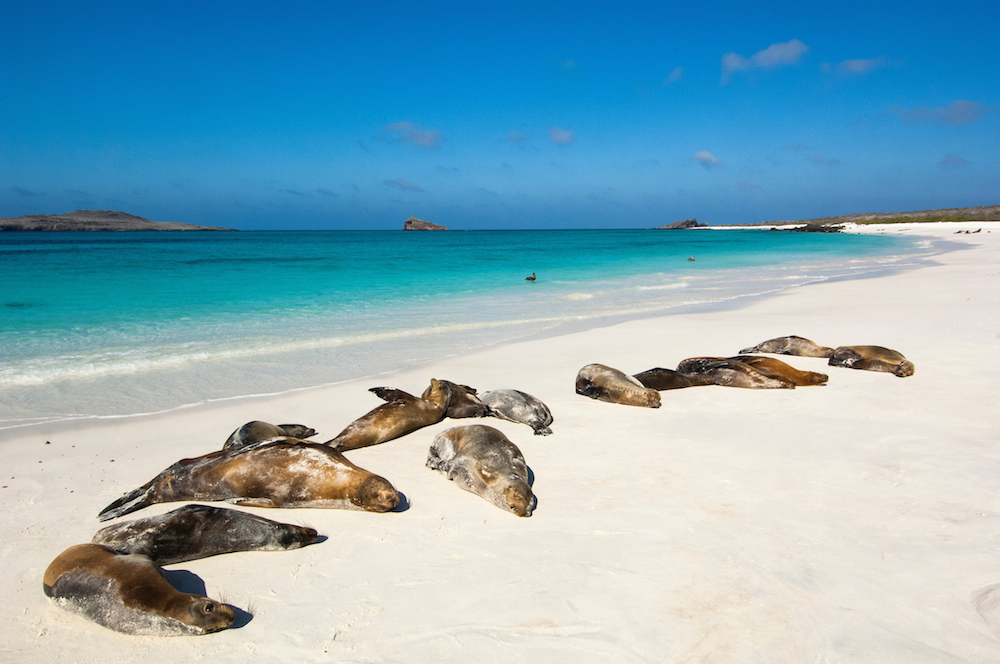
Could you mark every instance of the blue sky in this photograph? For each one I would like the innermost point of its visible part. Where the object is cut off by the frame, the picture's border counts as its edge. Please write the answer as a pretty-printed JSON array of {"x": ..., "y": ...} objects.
[{"x": 496, "y": 115}]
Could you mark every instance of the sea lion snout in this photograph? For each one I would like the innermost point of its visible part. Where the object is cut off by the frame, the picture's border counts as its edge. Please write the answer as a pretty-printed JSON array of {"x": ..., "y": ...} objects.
[
  {"x": 376, "y": 494},
  {"x": 298, "y": 537},
  {"x": 519, "y": 499},
  {"x": 209, "y": 615}
]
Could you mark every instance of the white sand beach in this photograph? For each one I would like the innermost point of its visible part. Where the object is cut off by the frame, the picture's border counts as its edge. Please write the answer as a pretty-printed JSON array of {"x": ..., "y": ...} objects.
[{"x": 853, "y": 522}]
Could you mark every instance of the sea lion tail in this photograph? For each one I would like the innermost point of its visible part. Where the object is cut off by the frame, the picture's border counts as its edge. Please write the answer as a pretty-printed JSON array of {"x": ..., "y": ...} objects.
[{"x": 130, "y": 502}]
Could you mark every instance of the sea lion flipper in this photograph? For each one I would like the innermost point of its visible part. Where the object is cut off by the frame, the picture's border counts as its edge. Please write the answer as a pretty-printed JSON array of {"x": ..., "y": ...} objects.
[
  {"x": 252, "y": 502},
  {"x": 391, "y": 394},
  {"x": 134, "y": 500}
]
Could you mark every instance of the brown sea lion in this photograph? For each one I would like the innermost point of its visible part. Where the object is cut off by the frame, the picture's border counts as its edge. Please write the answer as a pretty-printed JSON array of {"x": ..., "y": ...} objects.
[
  {"x": 872, "y": 358},
  {"x": 401, "y": 414},
  {"x": 480, "y": 459},
  {"x": 258, "y": 432},
  {"x": 790, "y": 345},
  {"x": 732, "y": 373},
  {"x": 193, "y": 532},
  {"x": 778, "y": 368},
  {"x": 128, "y": 593},
  {"x": 601, "y": 382},
  {"x": 465, "y": 401},
  {"x": 668, "y": 379},
  {"x": 283, "y": 473},
  {"x": 520, "y": 407}
]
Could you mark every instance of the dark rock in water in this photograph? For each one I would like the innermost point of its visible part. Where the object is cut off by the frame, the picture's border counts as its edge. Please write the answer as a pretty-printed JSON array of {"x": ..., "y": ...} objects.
[
  {"x": 414, "y": 224},
  {"x": 687, "y": 223},
  {"x": 96, "y": 220},
  {"x": 813, "y": 228}
]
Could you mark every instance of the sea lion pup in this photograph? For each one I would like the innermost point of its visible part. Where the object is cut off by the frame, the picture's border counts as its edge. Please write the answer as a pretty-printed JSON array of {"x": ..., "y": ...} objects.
[
  {"x": 259, "y": 432},
  {"x": 790, "y": 345},
  {"x": 464, "y": 402},
  {"x": 283, "y": 473},
  {"x": 732, "y": 373},
  {"x": 668, "y": 379},
  {"x": 128, "y": 593},
  {"x": 480, "y": 459},
  {"x": 778, "y": 368},
  {"x": 193, "y": 532},
  {"x": 872, "y": 358},
  {"x": 606, "y": 384},
  {"x": 401, "y": 414},
  {"x": 520, "y": 407}
]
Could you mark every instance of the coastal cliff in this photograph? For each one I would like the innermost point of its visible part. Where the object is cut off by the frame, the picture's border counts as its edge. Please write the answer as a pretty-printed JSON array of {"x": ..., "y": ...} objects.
[
  {"x": 96, "y": 220},
  {"x": 981, "y": 213},
  {"x": 414, "y": 224},
  {"x": 687, "y": 223}
]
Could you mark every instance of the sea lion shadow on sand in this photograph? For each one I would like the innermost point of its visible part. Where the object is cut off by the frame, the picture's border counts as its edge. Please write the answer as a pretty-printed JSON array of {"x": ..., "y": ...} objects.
[{"x": 403, "y": 504}]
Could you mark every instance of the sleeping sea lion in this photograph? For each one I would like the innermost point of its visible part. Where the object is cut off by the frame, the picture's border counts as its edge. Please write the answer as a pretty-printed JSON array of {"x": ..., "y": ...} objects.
[
  {"x": 521, "y": 407},
  {"x": 464, "y": 402},
  {"x": 480, "y": 459},
  {"x": 776, "y": 367},
  {"x": 606, "y": 384},
  {"x": 872, "y": 358},
  {"x": 128, "y": 593},
  {"x": 283, "y": 473},
  {"x": 732, "y": 373},
  {"x": 401, "y": 414},
  {"x": 193, "y": 532},
  {"x": 258, "y": 432},
  {"x": 790, "y": 345},
  {"x": 668, "y": 379}
]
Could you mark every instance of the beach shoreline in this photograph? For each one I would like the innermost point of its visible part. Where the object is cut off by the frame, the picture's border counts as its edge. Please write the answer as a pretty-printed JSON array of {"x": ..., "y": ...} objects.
[{"x": 855, "y": 521}]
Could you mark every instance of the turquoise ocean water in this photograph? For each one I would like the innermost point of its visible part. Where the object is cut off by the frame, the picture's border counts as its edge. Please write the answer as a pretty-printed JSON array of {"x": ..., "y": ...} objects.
[{"x": 104, "y": 324}]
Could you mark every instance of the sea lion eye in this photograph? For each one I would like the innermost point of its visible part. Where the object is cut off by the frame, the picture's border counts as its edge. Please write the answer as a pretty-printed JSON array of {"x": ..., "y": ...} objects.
[{"x": 208, "y": 608}]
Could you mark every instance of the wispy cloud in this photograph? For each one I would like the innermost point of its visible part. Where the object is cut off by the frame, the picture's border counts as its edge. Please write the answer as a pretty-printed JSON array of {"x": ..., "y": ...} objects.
[
  {"x": 706, "y": 159},
  {"x": 363, "y": 146},
  {"x": 951, "y": 160},
  {"x": 516, "y": 137},
  {"x": 822, "y": 160},
  {"x": 326, "y": 192},
  {"x": 293, "y": 192},
  {"x": 407, "y": 132},
  {"x": 775, "y": 55},
  {"x": 27, "y": 193},
  {"x": 402, "y": 184},
  {"x": 561, "y": 136},
  {"x": 673, "y": 76},
  {"x": 960, "y": 112},
  {"x": 799, "y": 145},
  {"x": 855, "y": 67}
]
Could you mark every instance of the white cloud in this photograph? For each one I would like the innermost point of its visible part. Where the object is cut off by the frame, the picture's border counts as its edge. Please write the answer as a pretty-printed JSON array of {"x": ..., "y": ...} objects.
[
  {"x": 561, "y": 136},
  {"x": 407, "y": 132},
  {"x": 402, "y": 184},
  {"x": 960, "y": 112},
  {"x": 674, "y": 76},
  {"x": 706, "y": 159},
  {"x": 775, "y": 55},
  {"x": 856, "y": 66}
]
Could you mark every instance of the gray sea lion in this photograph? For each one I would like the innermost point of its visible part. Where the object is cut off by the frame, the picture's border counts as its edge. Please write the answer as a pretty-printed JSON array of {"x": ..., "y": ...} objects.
[
  {"x": 520, "y": 407},
  {"x": 464, "y": 402},
  {"x": 283, "y": 473},
  {"x": 790, "y": 345},
  {"x": 259, "y": 432},
  {"x": 401, "y": 414},
  {"x": 193, "y": 532},
  {"x": 601, "y": 382},
  {"x": 872, "y": 358},
  {"x": 732, "y": 373},
  {"x": 668, "y": 379},
  {"x": 480, "y": 459},
  {"x": 776, "y": 367},
  {"x": 128, "y": 593}
]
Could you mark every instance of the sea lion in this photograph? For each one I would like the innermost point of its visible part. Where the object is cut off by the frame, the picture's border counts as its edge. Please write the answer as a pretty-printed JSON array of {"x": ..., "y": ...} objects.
[
  {"x": 193, "y": 532},
  {"x": 790, "y": 345},
  {"x": 258, "y": 432},
  {"x": 520, "y": 407},
  {"x": 128, "y": 593},
  {"x": 776, "y": 367},
  {"x": 401, "y": 414},
  {"x": 668, "y": 379},
  {"x": 480, "y": 459},
  {"x": 464, "y": 402},
  {"x": 872, "y": 358},
  {"x": 283, "y": 473},
  {"x": 732, "y": 373},
  {"x": 601, "y": 382}
]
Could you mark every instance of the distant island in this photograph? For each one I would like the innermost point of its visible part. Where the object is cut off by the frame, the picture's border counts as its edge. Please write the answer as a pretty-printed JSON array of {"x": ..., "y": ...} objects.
[
  {"x": 414, "y": 224},
  {"x": 96, "y": 220},
  {"x": 687, "y": 223},
  {"x": 982, "y": 213}
]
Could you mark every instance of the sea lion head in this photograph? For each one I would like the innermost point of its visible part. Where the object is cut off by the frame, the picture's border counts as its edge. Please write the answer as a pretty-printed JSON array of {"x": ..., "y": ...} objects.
[
  {"x": 376, "y": 494},
  {"x": 904, "y": 369},
  {"x": 439, "y": 393},
  {"x": 650, "y": 398},
  {"x": 519, "y": 499},
  {"x": 204, "y": 614},
  {"x": 295, "y": 537}
]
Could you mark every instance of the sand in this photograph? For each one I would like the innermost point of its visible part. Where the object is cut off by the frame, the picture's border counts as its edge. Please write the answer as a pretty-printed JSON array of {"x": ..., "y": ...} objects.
[{"x": 858, "y": 521}]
